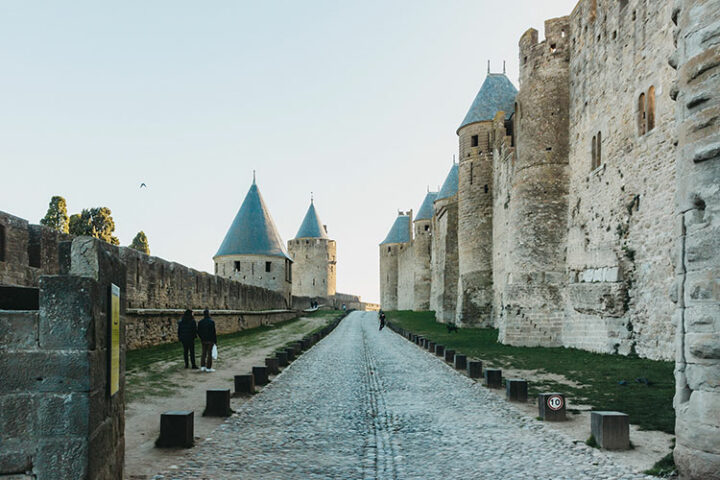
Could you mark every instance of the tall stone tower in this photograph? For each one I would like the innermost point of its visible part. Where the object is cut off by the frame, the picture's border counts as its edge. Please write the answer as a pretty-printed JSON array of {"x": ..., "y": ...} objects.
[
  {"x": 253, "y": 252},
  {"x": 315, "y": 257},
  {"x": 538, "y": 206},
  {"x": 422, "y": 253},
  {"x": 443, "y": 290},
  {"x": 475, "y": 199},
  {"x": 395, "y": 244}
]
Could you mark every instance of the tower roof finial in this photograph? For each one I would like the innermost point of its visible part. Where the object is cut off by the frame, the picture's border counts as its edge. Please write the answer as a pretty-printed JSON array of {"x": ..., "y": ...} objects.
[
  {"x": 312, "y": 197},
  {"x": 253, "y": 177},
  {"x": 454, "y": 159},
  {"x": 503, "y": 67},
  {"x": 488, "y": 66}
]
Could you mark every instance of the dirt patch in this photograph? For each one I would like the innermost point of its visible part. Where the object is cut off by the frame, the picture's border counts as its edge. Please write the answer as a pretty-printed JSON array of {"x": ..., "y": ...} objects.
[{"x": 166, "y": 385}]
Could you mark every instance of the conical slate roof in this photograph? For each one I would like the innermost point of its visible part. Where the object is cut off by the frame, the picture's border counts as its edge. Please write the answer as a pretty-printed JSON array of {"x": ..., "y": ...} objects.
[
  {"x": 496, "y": 94},
  {"x": 426, "y": 209},
  {"x": 450, "y": 187},
  {"x": 253, "y": 231},
  {"x": 311, "y": 226},
  {"x": 400, "y": 231}
]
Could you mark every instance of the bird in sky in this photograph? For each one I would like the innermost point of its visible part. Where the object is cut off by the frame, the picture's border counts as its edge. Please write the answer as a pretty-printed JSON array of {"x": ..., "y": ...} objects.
[{"x": 143, "y": 185}]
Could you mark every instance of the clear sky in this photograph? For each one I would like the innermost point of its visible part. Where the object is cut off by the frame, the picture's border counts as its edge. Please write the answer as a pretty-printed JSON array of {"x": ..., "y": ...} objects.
[{"x": 355, "y": 101}]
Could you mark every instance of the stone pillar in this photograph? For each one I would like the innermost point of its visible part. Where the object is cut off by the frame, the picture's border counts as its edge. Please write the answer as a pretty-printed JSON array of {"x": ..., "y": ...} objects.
[
  {"x": 57, "y": 417},
  {"x": 697, "y": 393}
]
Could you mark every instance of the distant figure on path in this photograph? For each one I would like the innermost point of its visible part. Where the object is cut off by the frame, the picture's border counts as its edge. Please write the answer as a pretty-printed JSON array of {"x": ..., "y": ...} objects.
[
  {"x": 208, "y": 338},
  {"x": 382, "y": 319},
  {"x": 187, "y": 331}
]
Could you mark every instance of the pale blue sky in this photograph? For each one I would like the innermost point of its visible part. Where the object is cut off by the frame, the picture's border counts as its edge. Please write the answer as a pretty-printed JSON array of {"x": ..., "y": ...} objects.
[{"x": 355, "y": 101}]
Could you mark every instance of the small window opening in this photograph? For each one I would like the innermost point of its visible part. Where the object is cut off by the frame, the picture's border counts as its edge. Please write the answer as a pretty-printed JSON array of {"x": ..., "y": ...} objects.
[
  {"x": 634, "y": 15},
  {"x": 474, "y": 141},
  {"x": 524, "y": 60},
  {"x": 593, "y": 154},
  {"x": 216, "y": 269},
  {"x": 268, "y": 266},
  {"x": 313, "y": 282},
  {"x": 237, "y": 266},
  {"x": 486, "y": 188},
  {"x": 427, "y": 228},
  {"x": 651, "y": 108},
  {"x": 614, "y": 34},
  {"x": 553, "y": 48},
  {"x": 599, "y": 149},
  {"x": 562, "y": 33},
  {"x": 642, "y": 125},
  {"x": 548, "y": 149}
]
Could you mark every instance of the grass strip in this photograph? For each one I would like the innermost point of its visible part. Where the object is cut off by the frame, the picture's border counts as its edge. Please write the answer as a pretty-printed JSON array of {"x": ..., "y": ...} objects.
[{"x": 640, "y": 387}]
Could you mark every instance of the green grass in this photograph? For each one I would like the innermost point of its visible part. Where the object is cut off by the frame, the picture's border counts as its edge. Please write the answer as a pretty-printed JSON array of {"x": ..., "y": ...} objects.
[
  {"x": 649, "y": 407},
  {"x": 664, "y": 467}
]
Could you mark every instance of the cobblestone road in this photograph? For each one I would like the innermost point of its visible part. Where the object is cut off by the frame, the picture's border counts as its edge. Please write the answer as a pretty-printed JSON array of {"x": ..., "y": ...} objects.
[{"x": 364, "y": 404}]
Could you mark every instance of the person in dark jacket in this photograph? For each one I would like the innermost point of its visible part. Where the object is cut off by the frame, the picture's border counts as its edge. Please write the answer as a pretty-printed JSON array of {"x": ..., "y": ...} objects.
[
  {"x": 187, "y": 331},
  {"x": 208, "y": 338},
  {"x": 382, "y": 319}
]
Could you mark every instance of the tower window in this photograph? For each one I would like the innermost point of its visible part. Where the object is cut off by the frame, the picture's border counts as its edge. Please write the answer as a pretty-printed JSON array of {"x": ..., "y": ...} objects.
[
  {"x": 427, "y": 228},
  {"x": 216, "y": 269},
  {"x": 486, "y": 188},
  {"x": 593, "y": 154},
  {"x": 651, "y": 109},
  {"x": 641, "y": 115},
  {"x": 237, "y": 266},
  {"x": 268, "y": 266},
  {"x": 474, "y": 141}
]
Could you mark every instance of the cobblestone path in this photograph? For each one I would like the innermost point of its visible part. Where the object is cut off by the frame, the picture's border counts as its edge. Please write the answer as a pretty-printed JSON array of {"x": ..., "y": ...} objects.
[{"x": 364, "y": 404}]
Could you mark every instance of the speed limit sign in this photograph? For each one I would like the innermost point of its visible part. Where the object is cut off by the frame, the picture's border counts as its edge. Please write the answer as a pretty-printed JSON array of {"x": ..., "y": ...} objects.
[{"x": 555, "y": 402}]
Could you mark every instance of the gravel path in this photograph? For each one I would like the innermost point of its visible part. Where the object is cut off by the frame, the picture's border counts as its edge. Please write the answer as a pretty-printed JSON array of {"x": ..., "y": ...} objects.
[{"x": 364, "y": 404}]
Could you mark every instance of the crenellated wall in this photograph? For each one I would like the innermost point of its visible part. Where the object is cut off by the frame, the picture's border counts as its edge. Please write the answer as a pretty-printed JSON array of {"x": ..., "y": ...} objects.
[{"x": 536, "y": 193}]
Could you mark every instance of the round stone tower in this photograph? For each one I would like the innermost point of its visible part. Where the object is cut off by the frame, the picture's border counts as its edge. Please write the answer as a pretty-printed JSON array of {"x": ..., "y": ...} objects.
[
  {"x": 538, "y": 206},
  {"x": 253, "y": 252},
  {"x": 475, "y": 199},
  {"x": 395, "y": 244},
  {"x": 422, "y": 250},
  {"x": 443, "y": 289},
  {"x": 315, "y": 257}
]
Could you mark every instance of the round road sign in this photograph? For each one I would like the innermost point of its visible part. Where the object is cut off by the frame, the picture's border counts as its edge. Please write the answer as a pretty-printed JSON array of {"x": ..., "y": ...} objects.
[{"x": 555, "y": 402}]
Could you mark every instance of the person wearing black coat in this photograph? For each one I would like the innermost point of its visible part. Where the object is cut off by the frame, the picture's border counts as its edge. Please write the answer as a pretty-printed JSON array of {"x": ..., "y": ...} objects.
[
  {"x": 208, "y": 338},
  {"x": 187, "y": 331}
]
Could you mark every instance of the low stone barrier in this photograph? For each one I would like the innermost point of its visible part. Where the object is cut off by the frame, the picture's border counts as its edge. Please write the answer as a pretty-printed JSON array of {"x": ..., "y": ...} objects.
[
  {"x": 273, "y": 365},
  {"x": 460, "y": 361},
  {"x": 493, "y": 378},
  {"x": 440, "y": 350},
  {"x": 217, "y": 403},
  {"x": 551, "y": 407},
  {"x": 177, "y": 429},
  {"x": 449, "y": 355},
  {"x": 244, "y": 384},
  {"x": 516, "y": 390},
  {"x": 474, "y": 368},
  {"x": 611, "y": 430},
  {"x": 260, "y": 374},
  {"x": 282, "y": 358}
]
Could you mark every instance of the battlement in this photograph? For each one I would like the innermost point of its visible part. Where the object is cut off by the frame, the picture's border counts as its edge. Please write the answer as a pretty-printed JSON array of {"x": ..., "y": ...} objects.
[{"x": 534, "y": 54}]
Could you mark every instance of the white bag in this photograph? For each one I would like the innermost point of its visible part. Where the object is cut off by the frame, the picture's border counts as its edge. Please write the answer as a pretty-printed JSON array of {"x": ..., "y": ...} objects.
[{"x": 214, "y": 352}]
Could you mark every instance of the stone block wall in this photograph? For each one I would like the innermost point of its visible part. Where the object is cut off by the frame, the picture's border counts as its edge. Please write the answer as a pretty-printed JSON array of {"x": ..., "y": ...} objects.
[
  {"x": 443, "y": 290},
  {"x": 314, "y": 263},
  {"x": 537, "y": 193},
  {"x": 389, "y": 276},
  {"x": 622, "y": 180},
  {"x": 406, "y": 276},
  {"x": 697, "y": 239},
  {"x": 475, "y": 236},
  {"x": 263, "y": 271},
  {"x": 57, "y": 419},
  {"x": 422, "y": 255}
]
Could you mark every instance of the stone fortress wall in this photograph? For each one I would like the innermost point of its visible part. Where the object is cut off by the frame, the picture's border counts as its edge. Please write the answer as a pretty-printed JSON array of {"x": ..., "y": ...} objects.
[
  {"x": 558, "y": 234},
  {"x": 157, "y": 291},
  {"x": 314, "y": 263}
]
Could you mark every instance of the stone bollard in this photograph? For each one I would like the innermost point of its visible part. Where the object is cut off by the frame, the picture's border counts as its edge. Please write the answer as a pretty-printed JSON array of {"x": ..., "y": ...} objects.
[
  {"x": 217, "y": 403},
  {"x": 244, "y": 384},
  {"x": 551, "y": 407},
  {"x": 282, "y": 358},
  {"x": 260, "y": 374},
  {"x": 449, "y": 355},
  {"x": 290, "y": 354},
  {"x": 272, "y": 365},
  {"x": 493, "y": 378},
  {"x": 315, "y": 338},
  {"x": 306, "y": 343},
  {"x": 611, "y": 430},
  {"x": 177, "y": 429},
  {"x": 440, "y": 350},
  {"x": 431, "y": 346},
  {"x": 516, "y": 390},
  {"x": 474, "y": 368},
  {"x": 460, "y": 361}
]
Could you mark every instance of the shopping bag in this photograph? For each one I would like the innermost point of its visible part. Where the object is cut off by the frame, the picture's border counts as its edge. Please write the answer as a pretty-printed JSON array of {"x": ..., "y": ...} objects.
[{"x": 214, "y": 352}]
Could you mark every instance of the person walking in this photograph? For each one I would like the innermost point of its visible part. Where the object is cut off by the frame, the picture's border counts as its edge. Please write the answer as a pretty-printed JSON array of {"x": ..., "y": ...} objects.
[
  {"x": 208, "y": 338},
  {"x": 382, "y": 319},
  {"x": 187, "y": 331}
]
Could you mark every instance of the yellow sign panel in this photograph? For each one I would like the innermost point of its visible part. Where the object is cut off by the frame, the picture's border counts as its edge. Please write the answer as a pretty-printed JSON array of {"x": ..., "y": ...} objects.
[{"x": 114, "y": 339}]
